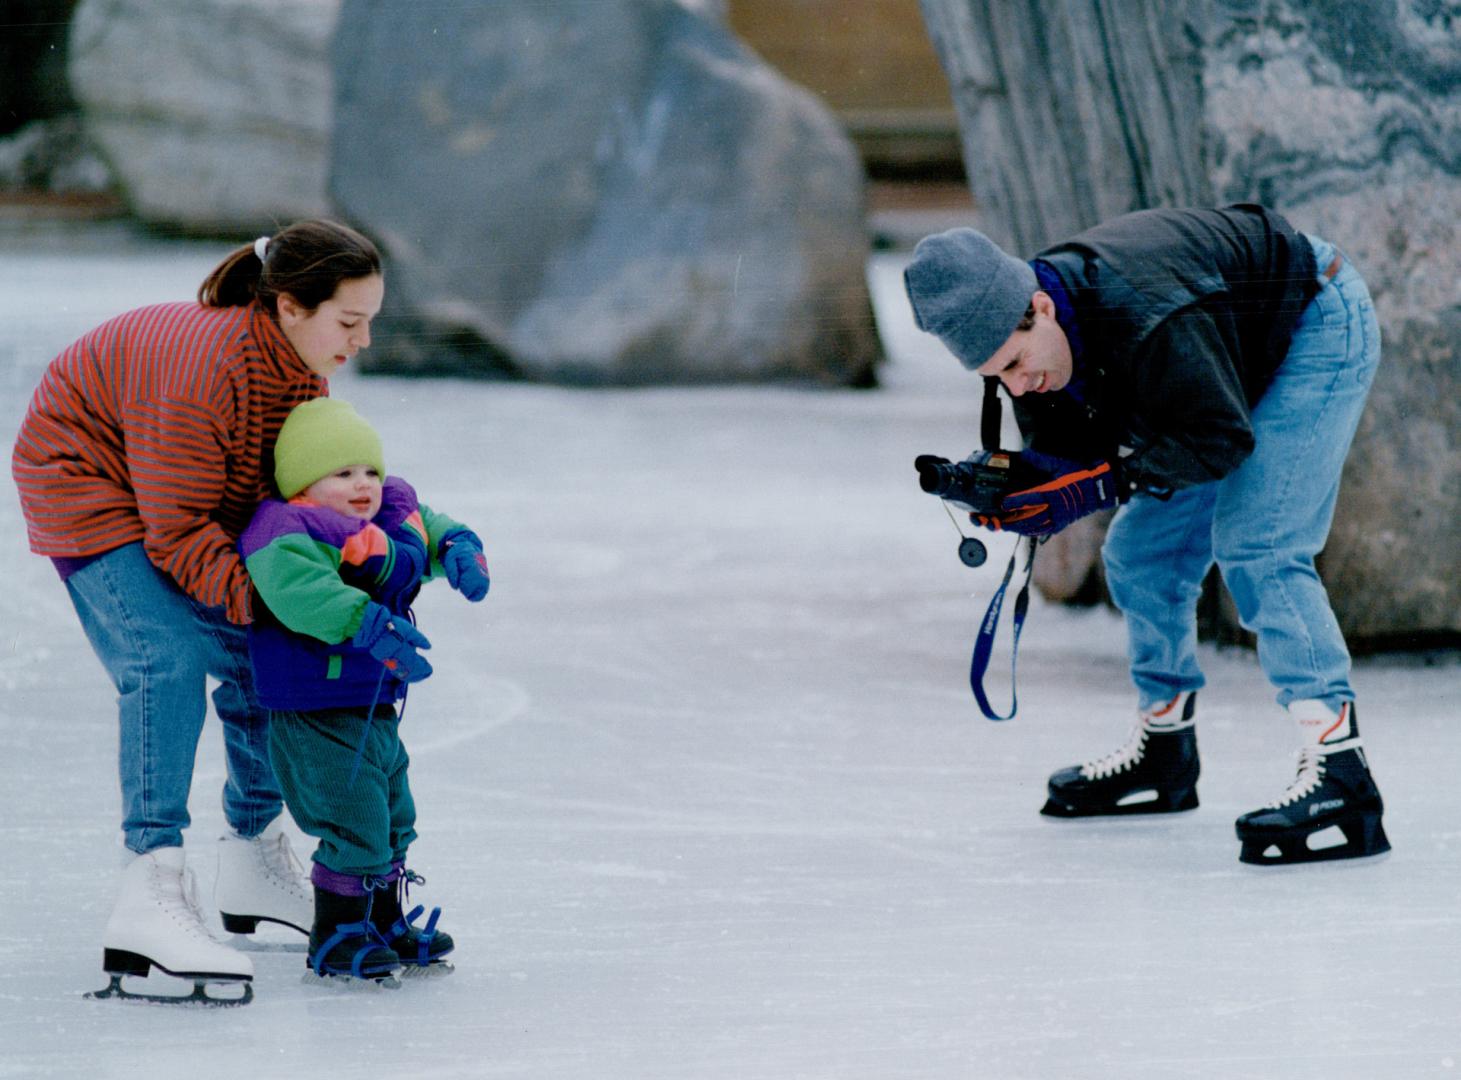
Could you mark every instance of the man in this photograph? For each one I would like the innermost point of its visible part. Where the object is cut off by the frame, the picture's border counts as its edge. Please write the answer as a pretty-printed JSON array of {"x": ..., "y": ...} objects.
[{"x": 1206, "y": 370}]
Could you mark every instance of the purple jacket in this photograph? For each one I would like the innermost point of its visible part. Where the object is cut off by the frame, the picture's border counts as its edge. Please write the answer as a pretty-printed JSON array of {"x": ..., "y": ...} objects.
[{"x": 315, "y": 570}]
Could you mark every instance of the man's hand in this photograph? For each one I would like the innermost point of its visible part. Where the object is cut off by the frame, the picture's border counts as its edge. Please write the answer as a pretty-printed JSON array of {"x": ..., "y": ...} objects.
[
  {"x": 393, "y": 641},
  {"x": 1073, "y": 491}
]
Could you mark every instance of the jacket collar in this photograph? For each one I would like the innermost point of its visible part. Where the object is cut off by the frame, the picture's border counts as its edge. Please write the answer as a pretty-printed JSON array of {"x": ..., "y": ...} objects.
[
  {"x": 275, "y": 352},
  {"x": 1051, "y": 283}
]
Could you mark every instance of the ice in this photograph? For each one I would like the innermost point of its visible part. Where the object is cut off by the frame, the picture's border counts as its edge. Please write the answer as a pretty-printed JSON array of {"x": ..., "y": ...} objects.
[{"x": 702, "y": 788}]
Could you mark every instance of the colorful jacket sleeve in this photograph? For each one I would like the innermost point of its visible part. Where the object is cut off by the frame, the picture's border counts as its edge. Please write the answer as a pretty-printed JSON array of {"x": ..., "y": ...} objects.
[
  {"x": 442, "y": 531},
  {"x": 400, "y": 506},
  {"x": 296, "y": 569}
]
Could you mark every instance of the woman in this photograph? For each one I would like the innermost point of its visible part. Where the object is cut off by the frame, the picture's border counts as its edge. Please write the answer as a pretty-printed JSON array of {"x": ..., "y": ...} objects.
[{"x": 145, "y": 450}]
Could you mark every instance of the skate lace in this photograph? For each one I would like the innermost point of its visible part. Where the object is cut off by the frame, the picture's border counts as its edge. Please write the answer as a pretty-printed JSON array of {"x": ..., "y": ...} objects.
[
  {"x": 1118, "y": 760},
  {"x": 280, "y": 863},
  {"x": 409, "y": 878},
  {"x": 1308, "y": 778},
  {"x": 179, "y": 898}
]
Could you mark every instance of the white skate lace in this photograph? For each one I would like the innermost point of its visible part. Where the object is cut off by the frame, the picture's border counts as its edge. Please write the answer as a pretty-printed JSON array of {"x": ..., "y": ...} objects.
[
  {"x": 1118, "y": 760},
  {"x": 180, "y": 901},
  {"x": 1310, "y": 775},
  {"x": 280, "y": 863}
]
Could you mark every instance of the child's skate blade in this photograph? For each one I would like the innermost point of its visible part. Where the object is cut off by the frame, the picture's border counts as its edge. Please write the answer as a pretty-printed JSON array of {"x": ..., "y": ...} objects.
[
  {"x": 369, "y": 984},
  {"x": 437, "y": 969}
]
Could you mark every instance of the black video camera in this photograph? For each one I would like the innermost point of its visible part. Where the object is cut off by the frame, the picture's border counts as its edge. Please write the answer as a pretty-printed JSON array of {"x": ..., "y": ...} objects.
[{"x": 979, "y": 483}]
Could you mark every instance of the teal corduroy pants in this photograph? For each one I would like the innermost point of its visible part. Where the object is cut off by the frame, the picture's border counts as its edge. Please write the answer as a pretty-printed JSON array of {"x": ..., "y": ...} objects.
[{"x": 364, "y": 824}]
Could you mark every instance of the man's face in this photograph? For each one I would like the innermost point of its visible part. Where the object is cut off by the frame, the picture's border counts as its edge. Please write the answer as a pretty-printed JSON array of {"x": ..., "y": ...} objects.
[{"x": 1033, "y": 361}]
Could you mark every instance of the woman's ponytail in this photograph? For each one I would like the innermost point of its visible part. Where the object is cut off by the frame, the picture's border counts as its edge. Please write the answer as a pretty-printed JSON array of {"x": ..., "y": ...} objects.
[
  {"x": 306, "y": 260},
  {"x": 234, "y": 282}
]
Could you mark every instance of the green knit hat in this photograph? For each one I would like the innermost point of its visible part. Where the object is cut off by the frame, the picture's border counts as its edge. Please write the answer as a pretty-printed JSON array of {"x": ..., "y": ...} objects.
[{"x": 319, "y": 437}]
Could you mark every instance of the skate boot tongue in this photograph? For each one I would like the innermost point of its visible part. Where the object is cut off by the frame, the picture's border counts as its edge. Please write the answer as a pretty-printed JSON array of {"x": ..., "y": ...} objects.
[{"x": 1321, "y": 726}]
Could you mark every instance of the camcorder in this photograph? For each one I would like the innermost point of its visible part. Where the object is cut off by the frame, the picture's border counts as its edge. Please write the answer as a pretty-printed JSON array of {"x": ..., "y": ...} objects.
[
  {"x": 977, "y": 484},
  {"x": 981, "y": 481}
]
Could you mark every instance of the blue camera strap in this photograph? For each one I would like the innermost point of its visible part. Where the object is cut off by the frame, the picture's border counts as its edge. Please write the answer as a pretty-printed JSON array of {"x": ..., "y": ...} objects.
[{"x": 984, "y": 642}]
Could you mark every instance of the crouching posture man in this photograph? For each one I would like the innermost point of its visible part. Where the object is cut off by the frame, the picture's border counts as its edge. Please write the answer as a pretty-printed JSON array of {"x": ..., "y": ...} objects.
[{"x": 1206, "y": 370}]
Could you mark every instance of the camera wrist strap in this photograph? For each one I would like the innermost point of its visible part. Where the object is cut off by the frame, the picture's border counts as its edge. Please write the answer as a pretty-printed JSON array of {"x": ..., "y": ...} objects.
[{"x": 984, "y": 642}]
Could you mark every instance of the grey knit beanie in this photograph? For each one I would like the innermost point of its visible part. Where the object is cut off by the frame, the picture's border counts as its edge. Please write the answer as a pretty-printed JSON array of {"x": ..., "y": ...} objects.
[{"x": 968, "y": 291}]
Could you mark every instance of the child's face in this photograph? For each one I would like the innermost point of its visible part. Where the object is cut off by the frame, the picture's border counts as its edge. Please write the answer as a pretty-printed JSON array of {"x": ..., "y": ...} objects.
[{"x": 353, "y": 491}]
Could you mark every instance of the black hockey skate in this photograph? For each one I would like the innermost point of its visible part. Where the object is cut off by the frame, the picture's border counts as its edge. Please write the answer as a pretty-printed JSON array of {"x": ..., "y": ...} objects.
[
  {"x": 1333, "y": 795},
  {"x": 422, "y": 950},
  {"x": 344, "y": 944},
  {"x": 1154, "y": 773}
]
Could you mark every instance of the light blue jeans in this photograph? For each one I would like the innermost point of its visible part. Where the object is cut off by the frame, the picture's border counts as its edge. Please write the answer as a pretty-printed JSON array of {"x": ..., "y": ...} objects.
[
  {"x": 1263, "y": 523},
  {"x": 159, "y": 645}
]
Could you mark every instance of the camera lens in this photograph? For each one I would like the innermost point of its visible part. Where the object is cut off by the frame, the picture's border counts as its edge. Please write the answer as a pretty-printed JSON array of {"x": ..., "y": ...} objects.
[{"x": 932, "y": 473}]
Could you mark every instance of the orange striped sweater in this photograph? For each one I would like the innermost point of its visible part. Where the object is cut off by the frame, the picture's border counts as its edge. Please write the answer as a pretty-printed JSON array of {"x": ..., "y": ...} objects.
[{"x": 159, "y": 426}]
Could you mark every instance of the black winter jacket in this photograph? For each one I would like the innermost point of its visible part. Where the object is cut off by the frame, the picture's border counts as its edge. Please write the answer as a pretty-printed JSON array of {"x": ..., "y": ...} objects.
[{"x": 1184, "y": 316}]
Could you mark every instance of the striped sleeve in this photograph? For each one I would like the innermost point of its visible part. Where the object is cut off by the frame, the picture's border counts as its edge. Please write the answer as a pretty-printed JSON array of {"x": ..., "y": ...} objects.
[
  {"x": 177, "y": 460},
  {"x": 157, "y": 427}
]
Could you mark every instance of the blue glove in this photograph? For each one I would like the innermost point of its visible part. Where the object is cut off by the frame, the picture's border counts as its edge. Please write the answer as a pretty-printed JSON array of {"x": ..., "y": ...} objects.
[
  {"x": 393, "y": 641},
  {"x": 1073, "y": 491},
  {"x": 466, "y": 567}
]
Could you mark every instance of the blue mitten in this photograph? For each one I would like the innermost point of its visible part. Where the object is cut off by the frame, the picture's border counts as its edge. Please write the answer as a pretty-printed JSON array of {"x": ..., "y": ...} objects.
[
  {"x": 1073, "y": 491},
  {"x": 393, "y": 641},
  {"x": 465, "y": 566}
]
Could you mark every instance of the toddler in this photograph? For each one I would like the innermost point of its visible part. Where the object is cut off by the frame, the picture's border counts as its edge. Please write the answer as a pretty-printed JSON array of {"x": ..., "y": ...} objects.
[{"x": 337, "y": 561}]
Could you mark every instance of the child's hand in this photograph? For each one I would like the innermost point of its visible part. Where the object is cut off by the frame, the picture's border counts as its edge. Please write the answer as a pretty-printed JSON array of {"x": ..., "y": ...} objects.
[
  {"x": 466, "y": 569},
  {"x": 393, "y": 641}
]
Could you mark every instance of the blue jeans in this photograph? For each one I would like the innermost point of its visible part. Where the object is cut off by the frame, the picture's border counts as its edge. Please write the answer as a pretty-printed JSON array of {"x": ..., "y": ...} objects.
[
  {"x": 1263, "y": 523},
  {"x": 159, "y": 645}
]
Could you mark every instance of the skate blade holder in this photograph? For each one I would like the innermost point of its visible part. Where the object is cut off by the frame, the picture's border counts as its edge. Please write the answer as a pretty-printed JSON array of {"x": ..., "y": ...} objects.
[
  {"x": 1356, "y": 838},
  {"x": 115, "y": 991},
  {"x": 1143, "y": 802}
]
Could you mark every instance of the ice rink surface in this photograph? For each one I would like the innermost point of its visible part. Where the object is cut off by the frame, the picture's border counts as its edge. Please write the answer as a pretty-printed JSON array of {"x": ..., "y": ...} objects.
[{"x": 702, "y": 789}]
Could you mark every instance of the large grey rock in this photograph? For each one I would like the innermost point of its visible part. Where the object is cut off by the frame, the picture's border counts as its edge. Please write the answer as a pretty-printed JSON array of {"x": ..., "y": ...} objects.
[
  {"x": 597, "y": 191},
  {"x": 214, "y": 114},
  {"x": 1343, "y": 114}
]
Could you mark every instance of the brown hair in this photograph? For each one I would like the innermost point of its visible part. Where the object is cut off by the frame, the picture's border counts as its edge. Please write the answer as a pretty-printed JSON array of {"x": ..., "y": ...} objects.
[
  {"x": 307, "y": 260},
  {"x": 1028, "y": 320}
]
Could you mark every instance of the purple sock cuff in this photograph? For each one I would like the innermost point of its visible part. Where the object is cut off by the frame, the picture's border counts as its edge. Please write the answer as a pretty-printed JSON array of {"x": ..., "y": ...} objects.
[
  {"x": 340, "y": 884},
  {"x": 351, "y": 884}
]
